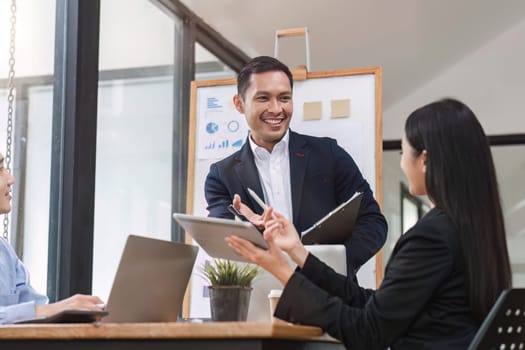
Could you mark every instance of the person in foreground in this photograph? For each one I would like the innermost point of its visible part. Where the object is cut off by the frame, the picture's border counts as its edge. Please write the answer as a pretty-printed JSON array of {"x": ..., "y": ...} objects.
[
  {"x": 444, "y": 273},
  {"x": 18, "y": 300}
]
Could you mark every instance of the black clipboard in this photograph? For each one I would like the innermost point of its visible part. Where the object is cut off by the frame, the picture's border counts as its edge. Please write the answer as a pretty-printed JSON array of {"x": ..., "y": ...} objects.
[{"x": 335, "y": 227}]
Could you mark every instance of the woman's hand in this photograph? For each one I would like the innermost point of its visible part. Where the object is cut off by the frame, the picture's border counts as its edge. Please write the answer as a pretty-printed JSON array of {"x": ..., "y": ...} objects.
[
  {"x": 272, "y": 260},
  {"x": 285, "y": 236},
  {"x": 283, "y": 232},
  {"x": 76, "y": 302}
]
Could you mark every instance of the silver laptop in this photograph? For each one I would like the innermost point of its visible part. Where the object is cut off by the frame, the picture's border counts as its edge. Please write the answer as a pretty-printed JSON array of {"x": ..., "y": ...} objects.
[
  {"x": 150, "y": 282},
  {"x": 334, "y": 255}
]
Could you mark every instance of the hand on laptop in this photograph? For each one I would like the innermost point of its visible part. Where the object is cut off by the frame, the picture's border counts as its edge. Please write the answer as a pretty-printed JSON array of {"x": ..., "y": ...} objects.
[{"x": 76, "y": 302}]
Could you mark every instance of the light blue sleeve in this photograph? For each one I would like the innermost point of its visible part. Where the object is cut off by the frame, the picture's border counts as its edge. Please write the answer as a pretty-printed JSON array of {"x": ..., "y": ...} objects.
[
  {"x": 12, "y": 313},
  {"x": 17, "y": 298},
  {"x": 24, "y": 289}
]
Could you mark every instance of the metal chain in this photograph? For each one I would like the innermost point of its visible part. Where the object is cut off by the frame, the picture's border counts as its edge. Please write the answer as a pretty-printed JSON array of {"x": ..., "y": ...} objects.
[{"x": 10, "y": 102}]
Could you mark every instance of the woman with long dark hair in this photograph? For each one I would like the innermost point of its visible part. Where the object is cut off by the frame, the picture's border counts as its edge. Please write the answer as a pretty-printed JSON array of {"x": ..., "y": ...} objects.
[
  {"x": 444, "y": 273},
  {"x": 461, "y": 181}
]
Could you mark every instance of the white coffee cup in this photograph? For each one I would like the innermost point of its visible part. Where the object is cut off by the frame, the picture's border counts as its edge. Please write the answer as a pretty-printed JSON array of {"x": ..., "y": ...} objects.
[{"x": 273, "y": 298}]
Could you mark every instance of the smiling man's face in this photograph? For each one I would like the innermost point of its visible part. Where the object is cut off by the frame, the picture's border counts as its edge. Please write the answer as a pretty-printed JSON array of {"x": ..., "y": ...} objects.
[{"x": 267, "y": 106}]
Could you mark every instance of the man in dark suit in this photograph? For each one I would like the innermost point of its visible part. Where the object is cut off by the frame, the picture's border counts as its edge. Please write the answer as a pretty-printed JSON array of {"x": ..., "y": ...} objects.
[{"x": 303, "y": 177}]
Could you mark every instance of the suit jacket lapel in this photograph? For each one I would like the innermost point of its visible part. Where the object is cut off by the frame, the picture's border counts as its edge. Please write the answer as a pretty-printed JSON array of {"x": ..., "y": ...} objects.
[
  {"x": 248, "y": 176},
  {"x": 299, "y": 155}
]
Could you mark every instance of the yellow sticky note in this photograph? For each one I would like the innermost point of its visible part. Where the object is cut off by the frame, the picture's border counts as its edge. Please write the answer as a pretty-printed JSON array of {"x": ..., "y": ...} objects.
[
  {"x": 341, "y": 108},
  {"x": 312, "y": 111}
]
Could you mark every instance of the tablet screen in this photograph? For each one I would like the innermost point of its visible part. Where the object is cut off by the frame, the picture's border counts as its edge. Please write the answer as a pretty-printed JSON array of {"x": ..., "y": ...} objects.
[{"x": 209, "y": 233}]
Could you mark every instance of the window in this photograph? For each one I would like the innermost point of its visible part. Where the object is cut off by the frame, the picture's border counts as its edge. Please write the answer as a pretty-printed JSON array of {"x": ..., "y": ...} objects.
[
  {"x": 31, "y": 154},
  {"x": 139, "y": 112},
  {"x": 134, "y": 131}
]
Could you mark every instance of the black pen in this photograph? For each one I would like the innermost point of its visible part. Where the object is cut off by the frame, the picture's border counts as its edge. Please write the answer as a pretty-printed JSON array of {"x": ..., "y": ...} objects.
[{"x": 237, "y": 213}]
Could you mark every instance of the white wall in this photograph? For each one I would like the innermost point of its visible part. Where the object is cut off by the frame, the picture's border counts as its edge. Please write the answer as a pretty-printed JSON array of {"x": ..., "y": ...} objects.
[{"x": 491, "y": 80}]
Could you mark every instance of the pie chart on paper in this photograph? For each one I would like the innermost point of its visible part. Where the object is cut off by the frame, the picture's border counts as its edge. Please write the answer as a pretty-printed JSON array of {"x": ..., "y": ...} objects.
[{"x": 212, "y": 128}]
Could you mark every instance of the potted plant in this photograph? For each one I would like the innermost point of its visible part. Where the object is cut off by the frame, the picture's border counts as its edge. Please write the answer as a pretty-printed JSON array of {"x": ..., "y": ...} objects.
[{"x": 230, "y": 288}]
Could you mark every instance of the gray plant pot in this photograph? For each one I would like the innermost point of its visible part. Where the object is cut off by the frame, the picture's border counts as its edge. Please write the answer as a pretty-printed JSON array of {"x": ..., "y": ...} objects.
[{"x": 229, "y": 303}]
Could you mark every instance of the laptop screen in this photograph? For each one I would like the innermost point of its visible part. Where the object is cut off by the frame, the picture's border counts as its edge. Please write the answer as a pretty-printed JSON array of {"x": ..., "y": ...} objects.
[
  {"x": 334, "y": 255},
  {"x": 150, "y": 282}
]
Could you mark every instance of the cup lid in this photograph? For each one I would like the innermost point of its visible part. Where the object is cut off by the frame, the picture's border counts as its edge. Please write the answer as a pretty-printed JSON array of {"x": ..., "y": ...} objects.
[{"x": 275, "y": 293}]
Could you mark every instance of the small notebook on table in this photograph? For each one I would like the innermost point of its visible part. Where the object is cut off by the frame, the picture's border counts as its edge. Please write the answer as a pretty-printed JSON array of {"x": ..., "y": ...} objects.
[{"x": 336, "y": 226}]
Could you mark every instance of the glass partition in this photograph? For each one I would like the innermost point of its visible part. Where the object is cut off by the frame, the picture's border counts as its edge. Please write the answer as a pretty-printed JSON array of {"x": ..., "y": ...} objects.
[
  {"x": 209, "y": 67},
  {"x": 510, "y": 169},
  {"x": 134, "y": 131},
  {"x": 31, "y": 143}
]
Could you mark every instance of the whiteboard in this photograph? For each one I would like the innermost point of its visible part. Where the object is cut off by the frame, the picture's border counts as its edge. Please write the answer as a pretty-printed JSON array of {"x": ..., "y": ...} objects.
[{"x": 344, "y": 105}]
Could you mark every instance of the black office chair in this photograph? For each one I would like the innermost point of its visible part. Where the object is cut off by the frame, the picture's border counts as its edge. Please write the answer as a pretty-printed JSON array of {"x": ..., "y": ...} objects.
[{"x": 504, "y": 326}]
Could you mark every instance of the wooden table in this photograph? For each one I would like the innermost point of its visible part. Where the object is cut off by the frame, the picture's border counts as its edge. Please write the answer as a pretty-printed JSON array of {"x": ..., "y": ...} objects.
[{"x": 213, "y": 335}]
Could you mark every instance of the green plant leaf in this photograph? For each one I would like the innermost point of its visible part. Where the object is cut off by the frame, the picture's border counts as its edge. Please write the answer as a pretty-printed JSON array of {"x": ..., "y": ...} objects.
[{"x": 228, "y": 273}]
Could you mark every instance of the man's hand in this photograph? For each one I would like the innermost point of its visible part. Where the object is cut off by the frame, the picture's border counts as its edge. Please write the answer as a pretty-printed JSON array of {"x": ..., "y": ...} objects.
[{"x": 257, "y": 220}]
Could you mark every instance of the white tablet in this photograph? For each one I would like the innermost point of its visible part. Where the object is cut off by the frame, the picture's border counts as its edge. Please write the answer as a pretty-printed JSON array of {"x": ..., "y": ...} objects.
[{"x": 210, "y": 234}]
